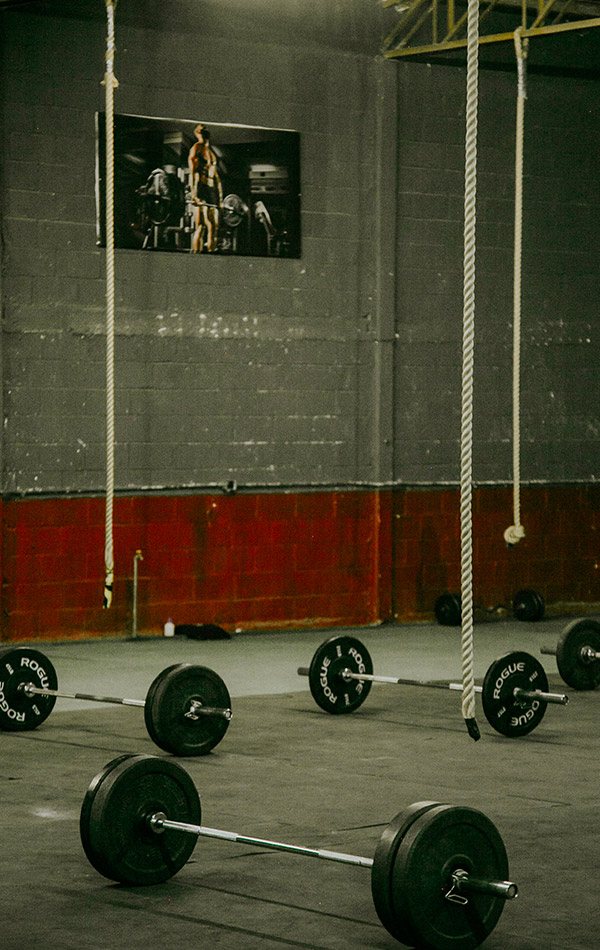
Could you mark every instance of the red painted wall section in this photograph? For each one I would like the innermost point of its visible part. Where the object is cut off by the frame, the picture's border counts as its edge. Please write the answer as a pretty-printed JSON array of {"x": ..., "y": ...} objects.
[
  {"x": 559, "y": 556},
  {"x": 260, "y": 561},
  {"x": 243, "y": 561}
]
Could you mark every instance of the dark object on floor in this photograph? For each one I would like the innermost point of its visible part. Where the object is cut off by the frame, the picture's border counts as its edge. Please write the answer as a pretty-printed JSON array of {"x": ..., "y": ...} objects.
[
  {"x": 201, "y": 631},
  {"x": 527, "y": 605}
]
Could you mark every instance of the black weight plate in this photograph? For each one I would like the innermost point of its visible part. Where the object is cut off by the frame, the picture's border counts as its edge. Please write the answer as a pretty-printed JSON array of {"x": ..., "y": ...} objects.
[
  {"x": 169, "y": 699},
  {"x": 448, "y": 609},
  {"x": 528, "y": 605},
  {"x": 442, "y": 840},
  {"x": 510, "y": 716},
  {"x": 329, "y": 690},
  {"x": 84, "y": 817},
  {"x": 19, "y": 665},
  {"x": 115, "y": 831},
  {"x": 385, "y": 856},
  {"x": 572, "y": 666},
  {"x": 542, "y": 605}
]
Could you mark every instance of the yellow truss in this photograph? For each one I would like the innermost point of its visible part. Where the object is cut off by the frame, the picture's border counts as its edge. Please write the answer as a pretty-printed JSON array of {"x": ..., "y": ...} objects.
[{"x": 446, "y": 28}]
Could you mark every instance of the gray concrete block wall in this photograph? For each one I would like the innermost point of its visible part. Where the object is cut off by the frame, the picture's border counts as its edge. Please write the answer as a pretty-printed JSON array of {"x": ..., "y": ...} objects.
[
  {"x": 239, "y": 368},
  {"x": 560, "y": 338}
]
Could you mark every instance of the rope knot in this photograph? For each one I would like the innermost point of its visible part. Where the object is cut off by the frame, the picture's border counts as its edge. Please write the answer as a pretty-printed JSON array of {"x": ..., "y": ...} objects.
[{"x": 514, "y": 534}]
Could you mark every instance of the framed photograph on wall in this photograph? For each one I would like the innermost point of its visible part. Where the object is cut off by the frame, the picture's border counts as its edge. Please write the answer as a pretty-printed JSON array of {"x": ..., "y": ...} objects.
[{"x": 201, "y": 187}]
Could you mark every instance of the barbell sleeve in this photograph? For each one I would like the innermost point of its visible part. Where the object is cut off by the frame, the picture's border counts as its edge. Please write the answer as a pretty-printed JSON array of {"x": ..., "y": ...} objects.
[
  {"x": 463, "y": 881},
  {"x": 559, "y": 699},
  {"x": 197, "y": 707}
]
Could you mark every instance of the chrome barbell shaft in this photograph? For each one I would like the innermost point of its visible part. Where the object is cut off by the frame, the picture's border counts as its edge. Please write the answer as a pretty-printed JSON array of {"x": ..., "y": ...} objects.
[
  {"x": 159, "y": 822},
  {"x": 373, "y": 678},
  {"x": 349, "y": 675},
  {"x": 30, "y": 690}
]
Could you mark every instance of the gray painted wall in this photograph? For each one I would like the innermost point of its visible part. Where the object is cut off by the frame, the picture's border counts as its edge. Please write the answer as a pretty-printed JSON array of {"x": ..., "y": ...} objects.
[{"x": 342, "y": 367}]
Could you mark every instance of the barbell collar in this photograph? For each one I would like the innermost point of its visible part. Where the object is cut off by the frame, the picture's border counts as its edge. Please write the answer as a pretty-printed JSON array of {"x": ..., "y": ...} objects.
[
  {"x": 463, "y": 881},
  {"x": 558, "y": 699},
  {"x": 159, "y": 822},
  {"x": 589, "y": 655}
]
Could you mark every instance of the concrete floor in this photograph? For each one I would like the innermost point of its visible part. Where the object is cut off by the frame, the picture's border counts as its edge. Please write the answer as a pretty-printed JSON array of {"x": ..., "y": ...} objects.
[{"x": 285, "y": 770}]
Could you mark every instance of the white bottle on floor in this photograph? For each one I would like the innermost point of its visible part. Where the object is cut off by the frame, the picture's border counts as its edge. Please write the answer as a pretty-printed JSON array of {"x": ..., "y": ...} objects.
[{"x": 169, "y": 628}]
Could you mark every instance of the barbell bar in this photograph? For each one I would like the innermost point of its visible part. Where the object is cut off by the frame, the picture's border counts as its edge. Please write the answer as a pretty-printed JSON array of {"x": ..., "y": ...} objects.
[
  {"x": 578, "y": 654},
  {"x": 187, "y": 709},
  {"x": 439, "y": 876},
  {"x": 527, "y": 605},
  {"x": 514, "y": 692}
]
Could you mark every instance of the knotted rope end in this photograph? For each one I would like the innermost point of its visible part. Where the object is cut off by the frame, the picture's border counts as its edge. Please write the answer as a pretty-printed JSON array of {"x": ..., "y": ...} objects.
[
  {"x": 108, "y": 591},
  {"x": 514, "y": 534}
]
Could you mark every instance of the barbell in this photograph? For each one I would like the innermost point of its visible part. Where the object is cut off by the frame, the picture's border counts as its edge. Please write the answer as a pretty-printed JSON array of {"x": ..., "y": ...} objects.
[
  {"x": 438, "y": 876},
  {"x": 578, "y": 654},
  {"x": 187, "y": 709},
  {"x": 514, "y": 693},
  {"x": 527, "y": 605}
]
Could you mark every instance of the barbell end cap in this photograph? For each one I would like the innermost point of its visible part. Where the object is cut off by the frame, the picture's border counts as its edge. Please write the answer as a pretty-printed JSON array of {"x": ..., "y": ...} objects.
[
  {"x": 303, "y": 671},
  {"x": 473, "y": 729}
]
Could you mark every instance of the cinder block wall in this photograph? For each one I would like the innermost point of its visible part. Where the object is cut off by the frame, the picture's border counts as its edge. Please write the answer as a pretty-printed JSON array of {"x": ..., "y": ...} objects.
[
  {"x": 326, "y": 388},
  {"x": 242, "y": 368},
  {"x": 560, "y": 342}
]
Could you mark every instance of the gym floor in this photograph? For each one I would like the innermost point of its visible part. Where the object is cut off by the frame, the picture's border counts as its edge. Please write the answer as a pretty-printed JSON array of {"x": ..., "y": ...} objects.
[{"x": 287, "y": 771}]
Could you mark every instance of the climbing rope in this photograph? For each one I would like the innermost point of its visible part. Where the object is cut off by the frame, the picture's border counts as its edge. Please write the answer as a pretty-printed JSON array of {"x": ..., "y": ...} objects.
[
  {"x": 515, "y": 532},
  {"x": 110, "y": 83},
  {"x": 466, "y": 441}
]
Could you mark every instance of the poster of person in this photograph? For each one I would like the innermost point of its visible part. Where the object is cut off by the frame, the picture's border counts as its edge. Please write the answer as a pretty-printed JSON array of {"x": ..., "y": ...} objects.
[{"x": 201, "y": 188}]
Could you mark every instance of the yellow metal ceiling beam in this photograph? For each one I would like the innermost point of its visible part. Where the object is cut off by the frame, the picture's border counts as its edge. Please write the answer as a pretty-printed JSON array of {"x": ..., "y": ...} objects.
[{"x": 495, "y": 37}]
